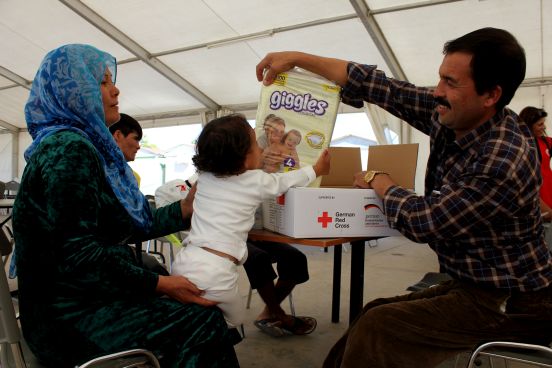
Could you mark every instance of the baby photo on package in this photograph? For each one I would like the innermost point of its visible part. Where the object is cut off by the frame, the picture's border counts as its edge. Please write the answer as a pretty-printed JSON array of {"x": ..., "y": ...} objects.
[{"x": 295, "y": 120}]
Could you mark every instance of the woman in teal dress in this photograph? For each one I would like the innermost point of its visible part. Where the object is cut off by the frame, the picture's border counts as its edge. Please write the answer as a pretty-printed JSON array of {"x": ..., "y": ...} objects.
[{"x": 82, "y": 291}]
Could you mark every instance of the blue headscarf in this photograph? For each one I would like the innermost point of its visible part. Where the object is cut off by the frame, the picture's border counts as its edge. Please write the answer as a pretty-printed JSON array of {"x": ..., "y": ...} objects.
[{"x": 66, "y": 95}]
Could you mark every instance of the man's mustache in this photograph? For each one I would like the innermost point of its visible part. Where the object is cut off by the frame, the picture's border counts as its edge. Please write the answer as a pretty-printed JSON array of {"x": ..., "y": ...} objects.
[{"x": 442, "y": 101}]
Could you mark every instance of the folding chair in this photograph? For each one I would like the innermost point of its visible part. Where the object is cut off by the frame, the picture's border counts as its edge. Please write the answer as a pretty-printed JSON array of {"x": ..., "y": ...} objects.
[{"x": 535, "y": 355}]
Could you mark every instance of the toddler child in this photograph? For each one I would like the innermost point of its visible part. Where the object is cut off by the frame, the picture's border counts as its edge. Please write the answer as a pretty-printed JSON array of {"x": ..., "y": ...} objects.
[{"x": 230, "y": 187}]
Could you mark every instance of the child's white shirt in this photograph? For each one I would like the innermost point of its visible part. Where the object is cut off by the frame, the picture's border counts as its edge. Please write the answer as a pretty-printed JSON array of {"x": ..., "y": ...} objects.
[{"x": 224, "y": 208}]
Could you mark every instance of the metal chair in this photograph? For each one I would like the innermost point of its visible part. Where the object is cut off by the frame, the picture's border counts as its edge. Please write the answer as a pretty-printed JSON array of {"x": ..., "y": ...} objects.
[
  {"x": 535, "y": 355},
  {"x": 15, "y": 353},
  {"x": 125, "y": 359}
]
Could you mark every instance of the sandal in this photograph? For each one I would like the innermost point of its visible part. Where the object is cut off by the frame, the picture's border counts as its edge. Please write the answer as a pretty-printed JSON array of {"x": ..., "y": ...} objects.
[
  {"x": 300, "y": 326},
  {"x": 270, "y": 327}
]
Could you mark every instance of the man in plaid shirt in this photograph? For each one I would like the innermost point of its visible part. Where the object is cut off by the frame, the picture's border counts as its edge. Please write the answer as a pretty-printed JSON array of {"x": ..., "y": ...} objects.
[{"x": 480, "y": 211}]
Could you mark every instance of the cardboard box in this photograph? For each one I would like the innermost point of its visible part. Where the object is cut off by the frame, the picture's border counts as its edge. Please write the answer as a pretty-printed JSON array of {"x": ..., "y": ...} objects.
[{"x": 339, "y": 210}]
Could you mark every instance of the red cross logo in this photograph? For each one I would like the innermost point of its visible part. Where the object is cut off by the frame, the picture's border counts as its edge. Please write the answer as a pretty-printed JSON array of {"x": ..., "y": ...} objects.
[{"x": 325, "y": 219}]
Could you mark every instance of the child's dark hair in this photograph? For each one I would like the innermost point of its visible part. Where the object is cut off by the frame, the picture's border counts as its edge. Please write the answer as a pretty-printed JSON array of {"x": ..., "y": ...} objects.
[{"x": 223, "y": 145}]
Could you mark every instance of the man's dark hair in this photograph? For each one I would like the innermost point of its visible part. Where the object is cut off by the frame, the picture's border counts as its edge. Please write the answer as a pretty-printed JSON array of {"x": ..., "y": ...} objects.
[
  {"x": 222, "y": 146},
  {"x": 530, "y": 115},
  {"x": 127, "y": 124},
  {"x": 497, "y": 60}
]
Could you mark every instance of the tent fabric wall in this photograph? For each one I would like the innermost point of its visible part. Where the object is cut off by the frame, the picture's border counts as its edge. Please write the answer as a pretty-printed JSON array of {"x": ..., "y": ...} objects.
[{"x": 184, "y": 62}]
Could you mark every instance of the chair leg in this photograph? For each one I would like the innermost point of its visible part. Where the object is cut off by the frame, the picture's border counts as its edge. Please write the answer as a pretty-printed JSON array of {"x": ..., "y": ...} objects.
[
  {"x": 248, "y": 304},
  {"x": 171, "y": 257},
  {"x": 242, "y": 331},
  {"x": 290, "y": 297},
  {"x": 4, "y": 354},
  {"x": 17, "y": 353},
  {"x": 291, "y": 306}
]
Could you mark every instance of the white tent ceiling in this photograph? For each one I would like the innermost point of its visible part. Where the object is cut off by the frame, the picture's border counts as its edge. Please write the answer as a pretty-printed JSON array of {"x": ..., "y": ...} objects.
[{"x": 175, "y": 63}]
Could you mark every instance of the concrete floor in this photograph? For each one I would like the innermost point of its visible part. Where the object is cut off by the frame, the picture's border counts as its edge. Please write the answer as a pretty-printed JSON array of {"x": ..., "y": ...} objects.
[{"x": 391, "y": 266}]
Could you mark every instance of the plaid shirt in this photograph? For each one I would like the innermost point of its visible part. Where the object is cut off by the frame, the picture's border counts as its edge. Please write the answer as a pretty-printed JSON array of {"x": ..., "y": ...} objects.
[{"x": 480, "y": 212}]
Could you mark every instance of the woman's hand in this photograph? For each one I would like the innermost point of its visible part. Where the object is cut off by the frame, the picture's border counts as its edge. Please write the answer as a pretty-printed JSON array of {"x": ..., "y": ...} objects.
[
  {"x": 183, "y": 290},
  {"x": 186, "y": 204}
]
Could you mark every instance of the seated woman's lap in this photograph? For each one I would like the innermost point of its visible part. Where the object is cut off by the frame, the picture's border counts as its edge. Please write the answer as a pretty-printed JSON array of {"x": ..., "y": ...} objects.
[{"x": 173, "y": 331}]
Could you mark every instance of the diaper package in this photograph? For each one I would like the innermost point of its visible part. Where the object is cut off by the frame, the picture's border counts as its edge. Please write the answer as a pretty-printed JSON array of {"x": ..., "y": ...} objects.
[{"x": 295, "y": 120}]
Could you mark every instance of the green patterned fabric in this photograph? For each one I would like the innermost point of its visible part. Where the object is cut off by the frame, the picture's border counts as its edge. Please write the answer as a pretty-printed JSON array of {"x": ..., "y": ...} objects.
[{"x": 82, "y": 292}]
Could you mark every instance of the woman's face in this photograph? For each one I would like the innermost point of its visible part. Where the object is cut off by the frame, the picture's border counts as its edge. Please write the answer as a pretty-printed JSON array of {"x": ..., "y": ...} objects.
[
  {"x": 110, "y": 99},
  {"x": 539, "y": 128}
]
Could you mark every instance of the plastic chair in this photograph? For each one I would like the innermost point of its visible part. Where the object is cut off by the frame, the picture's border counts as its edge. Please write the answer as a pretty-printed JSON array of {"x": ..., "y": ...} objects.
[
  {"x": 15, "y": 353},
  {"x": 536, "y": 355}
]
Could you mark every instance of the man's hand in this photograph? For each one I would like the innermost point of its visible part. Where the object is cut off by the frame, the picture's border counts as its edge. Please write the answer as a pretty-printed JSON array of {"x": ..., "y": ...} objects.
[
  {"x": 274, "y": 63},
  {"x": 358, "y": 180},
  {"x": 278, "y": 62},
  {"x": 322, "y": 166},
  {"x": 183, "y": 290},
  {"x": 381, "y": 183}
]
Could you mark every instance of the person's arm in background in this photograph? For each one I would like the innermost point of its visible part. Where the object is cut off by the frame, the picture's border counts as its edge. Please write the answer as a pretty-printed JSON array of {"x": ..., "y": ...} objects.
[{"x": 173, "y": 217}]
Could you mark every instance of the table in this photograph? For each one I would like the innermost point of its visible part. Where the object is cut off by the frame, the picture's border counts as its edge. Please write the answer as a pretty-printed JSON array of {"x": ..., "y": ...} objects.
[{"x": 357, "y": 265}]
